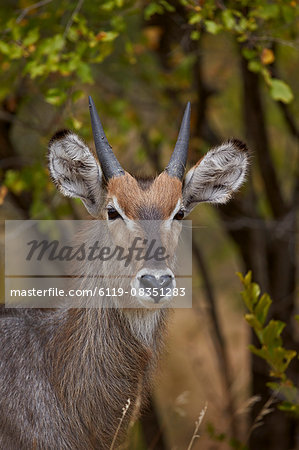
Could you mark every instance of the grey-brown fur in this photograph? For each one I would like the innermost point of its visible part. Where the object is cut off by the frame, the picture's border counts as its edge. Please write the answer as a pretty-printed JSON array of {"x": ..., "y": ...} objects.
[{"x": 67, "y": 374}]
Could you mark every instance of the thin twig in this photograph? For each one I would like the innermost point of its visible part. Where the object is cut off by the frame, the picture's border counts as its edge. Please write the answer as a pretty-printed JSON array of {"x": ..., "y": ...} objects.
[
  {"x": 26, "y": 10},
  {"x": 289, "y": 119},
  {"x": 71, "y": 19},
  {"x": 294, "y": 44}
]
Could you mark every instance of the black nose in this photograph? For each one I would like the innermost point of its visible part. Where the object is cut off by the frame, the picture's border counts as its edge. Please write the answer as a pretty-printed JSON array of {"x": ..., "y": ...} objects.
[{"x": 149, "y": 281}]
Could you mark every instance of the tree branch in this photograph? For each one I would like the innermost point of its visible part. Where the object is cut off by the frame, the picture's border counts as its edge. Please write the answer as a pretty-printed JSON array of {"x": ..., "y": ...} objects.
[
  {"x": 289, "y": 120},
  {"x": 257, "y": 136},
  {"x": 71, "y": 19},
  {"x": 29, "y": 8},
  {"x": 218, "y": 337}
]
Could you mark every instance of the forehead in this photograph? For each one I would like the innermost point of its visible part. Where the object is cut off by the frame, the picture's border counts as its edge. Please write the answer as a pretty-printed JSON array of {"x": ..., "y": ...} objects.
[{"x": 146, "y": 199}]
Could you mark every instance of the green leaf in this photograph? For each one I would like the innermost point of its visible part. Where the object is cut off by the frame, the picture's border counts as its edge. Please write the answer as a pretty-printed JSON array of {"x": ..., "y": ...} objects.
[
  {"x": 109, "y": 36},
  {"x": 255, "y": 66},
  {"x": 108, "y": 6},
  {"x": 288, "y": 356},
  {"x": 16, "y": 182},
  {"x": 289, "y": 407},
  {"x": 35, "y": 69},
  {"x": 247, "y": 300},
  {"x": 195, "y": 35},
  {"x": 152, "y": 9},
  {"x": 254, "y": 292},
  {"x": 272, "y": 351},
  {"x": 16, "y": 52},
  {"x": 240, "y": 275},
  {"x": 55, "y": 96},
  {"x": 4, "y": 48},
  {"x": 267, "y": 75},
  {"x": 262, "y": 308},
  {"x": 31, "y": 37},
  {"x": 195, "y": 18},
  {"x": 267, "y": 11},
  {"x": 249, "y": 53},
  {"x": 272, "y": 332},
  {"x": 250, "y": 295},
  {"x": 212, "y": 27},
  {"x": 84, "y": 72},
  {"x": 279, "y": 359},
  {"x": 228, "y": 19},
  {"x": 248, "y": 278},
  {"x": 72, "y": 34},
  {"x": 167, "y": 6},
  {"x": 118, "y": 23},
  {"x": 273, "y": 385},
  {"x": 51, "y": 45},
  {"x": 253, "y": 321},
  {"x": 261, "y": 352},
  {"x": 280, "y": 91},
  {"x": 77, "y": 95}
]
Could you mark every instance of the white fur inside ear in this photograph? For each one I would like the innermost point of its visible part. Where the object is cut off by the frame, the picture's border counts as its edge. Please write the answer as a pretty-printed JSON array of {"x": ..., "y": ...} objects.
[
  {"x": 217, "y": 176},
  {"x": 74, "y": 170}
]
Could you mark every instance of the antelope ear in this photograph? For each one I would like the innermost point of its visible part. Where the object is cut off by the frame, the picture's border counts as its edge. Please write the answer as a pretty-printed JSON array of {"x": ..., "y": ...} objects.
[
  {"x": 217, "y": 175},
  {"x": 75, "y": 171}
]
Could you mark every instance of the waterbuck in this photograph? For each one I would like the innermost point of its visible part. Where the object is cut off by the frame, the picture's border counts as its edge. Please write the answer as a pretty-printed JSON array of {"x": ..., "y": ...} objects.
[{"x": 66, "y": 374}]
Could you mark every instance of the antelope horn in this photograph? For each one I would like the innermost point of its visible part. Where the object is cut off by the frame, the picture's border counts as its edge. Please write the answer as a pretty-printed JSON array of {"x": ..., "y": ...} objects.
[
  {"x": 177, "y": 164},
  {"x": 110, "y": 165}
]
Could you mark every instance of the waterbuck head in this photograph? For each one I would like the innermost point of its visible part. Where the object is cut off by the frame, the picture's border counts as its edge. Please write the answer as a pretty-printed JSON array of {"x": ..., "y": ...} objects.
[{"x": 110, "y": 193}]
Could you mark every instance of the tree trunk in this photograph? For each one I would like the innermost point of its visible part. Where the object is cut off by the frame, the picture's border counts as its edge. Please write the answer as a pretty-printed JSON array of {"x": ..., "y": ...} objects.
[{"x": 276, "y": 241}]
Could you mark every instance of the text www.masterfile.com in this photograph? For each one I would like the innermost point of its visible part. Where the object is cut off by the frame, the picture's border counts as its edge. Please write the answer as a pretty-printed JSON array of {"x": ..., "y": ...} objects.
[{"x": 98, "y": 291}]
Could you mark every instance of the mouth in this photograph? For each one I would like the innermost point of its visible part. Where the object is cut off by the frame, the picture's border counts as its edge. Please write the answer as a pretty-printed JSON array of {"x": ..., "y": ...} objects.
[{"x": 147, "y": 301}]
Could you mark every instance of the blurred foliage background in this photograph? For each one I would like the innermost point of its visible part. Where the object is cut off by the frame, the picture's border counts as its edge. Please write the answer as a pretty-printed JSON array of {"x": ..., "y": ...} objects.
[{"x": 237, "y": 62}]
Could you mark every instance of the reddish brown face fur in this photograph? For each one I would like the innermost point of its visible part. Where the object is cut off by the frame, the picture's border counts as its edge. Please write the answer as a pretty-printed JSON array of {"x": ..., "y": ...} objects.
[{"x": 151, "y": 199}]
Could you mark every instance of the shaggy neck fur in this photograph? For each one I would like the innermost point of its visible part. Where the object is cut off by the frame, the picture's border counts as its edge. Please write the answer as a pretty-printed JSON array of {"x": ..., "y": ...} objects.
[{"x": 99, "y": 360}]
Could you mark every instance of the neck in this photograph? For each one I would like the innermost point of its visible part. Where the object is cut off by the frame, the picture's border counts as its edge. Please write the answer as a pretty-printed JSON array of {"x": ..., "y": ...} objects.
[{"x": 101, "y": 358}]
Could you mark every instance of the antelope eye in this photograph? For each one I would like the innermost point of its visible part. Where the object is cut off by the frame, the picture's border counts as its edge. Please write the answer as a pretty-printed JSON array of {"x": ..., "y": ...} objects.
[
  {"x": 179, "y": 215},
  {"x": 113, "y": 214}
]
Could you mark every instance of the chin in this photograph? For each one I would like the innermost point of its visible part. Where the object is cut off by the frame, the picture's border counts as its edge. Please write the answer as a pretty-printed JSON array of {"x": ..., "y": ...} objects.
[{"x": 149, "y": 303}]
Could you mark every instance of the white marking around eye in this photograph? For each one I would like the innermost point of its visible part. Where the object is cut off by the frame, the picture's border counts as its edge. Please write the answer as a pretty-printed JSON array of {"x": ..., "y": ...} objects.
[
  {"x": 176, "y": 209},
  {"x": 129, "y": 222}
]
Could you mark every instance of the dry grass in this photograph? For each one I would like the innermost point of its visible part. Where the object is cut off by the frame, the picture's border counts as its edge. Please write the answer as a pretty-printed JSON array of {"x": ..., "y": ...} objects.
[
  {"x": 197, "y": 425},
  {"x": 124, "y": 412}
]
